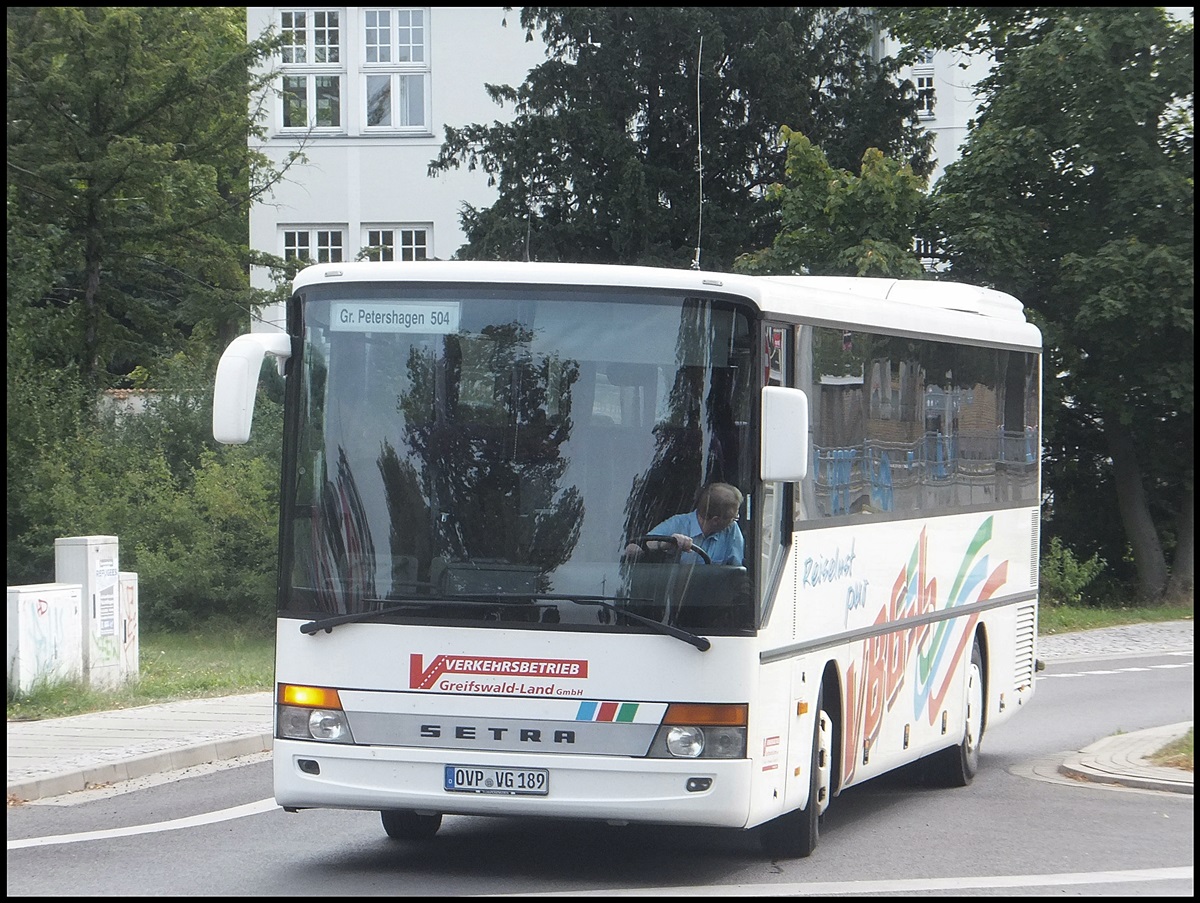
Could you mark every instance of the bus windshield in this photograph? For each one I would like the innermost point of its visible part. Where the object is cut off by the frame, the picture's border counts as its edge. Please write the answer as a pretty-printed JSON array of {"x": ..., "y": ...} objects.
[{"x": 484, "y": 456}]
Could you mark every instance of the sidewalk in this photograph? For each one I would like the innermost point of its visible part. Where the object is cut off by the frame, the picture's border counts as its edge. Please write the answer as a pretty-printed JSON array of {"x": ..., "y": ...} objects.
[
  {"x": 63, "y": 755},
  {"x": 1121, "y": 759}
]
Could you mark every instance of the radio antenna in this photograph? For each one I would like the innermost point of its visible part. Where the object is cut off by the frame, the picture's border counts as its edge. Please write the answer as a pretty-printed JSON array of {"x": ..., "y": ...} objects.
[{"x": 699, "y": 161}]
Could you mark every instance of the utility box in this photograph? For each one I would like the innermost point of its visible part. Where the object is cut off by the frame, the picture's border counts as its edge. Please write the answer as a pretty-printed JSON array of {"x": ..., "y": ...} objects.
[
  {"x": 130, "y": 647},
  {"x": 91, "y": 562},
  {"x": 45, "y": 635}
]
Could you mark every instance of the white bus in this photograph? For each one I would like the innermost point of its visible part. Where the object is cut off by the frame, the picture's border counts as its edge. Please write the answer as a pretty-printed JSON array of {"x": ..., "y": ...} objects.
[{"x": 470, "y": 448}]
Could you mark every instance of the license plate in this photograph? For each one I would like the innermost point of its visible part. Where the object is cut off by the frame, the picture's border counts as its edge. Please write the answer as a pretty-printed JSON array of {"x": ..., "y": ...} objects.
[{"x": 485, "y": 779}]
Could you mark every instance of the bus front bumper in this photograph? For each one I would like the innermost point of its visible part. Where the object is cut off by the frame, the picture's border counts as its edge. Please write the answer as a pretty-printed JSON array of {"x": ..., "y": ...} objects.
[{"x": 702, "y": 792}]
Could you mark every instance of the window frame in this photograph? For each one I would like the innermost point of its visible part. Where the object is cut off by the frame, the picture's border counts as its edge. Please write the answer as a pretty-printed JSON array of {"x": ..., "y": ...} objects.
[
  {"x": 926, "y": 88},
  {"x": 399, "y": 74},
  {"x": 309, "y": 71},
  {"x": 399, "y": 248},
  {"x": 318, "y": 241}
]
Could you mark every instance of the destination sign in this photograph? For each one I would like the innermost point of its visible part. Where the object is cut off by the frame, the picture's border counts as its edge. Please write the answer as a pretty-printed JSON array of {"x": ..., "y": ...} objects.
[{"x": 355, "y": 316}]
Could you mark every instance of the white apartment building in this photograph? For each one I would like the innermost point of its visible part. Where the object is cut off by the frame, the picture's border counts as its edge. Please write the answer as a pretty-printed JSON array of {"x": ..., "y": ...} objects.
[
  {"x": 367, "y": 92},
  {"x": 945, "y": 83}
]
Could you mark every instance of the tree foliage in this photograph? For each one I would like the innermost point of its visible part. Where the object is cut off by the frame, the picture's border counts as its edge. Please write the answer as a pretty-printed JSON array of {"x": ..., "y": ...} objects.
[
  {"x": 130, "y": 176},
  {"x": 197, "y": 524},
  {"x": 1075, "y": 193},
  {"x": 836, "y": 223},
  {"x": 639, "y": 113},
  {"x": 128, "y": 157}
]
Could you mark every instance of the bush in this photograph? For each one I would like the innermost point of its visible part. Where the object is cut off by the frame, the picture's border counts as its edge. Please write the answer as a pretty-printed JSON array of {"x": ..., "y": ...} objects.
[
  {"x": 1063, "y": 577},
  {"x": 214, "y": 555},
  {"x": 196, "y": 521}
]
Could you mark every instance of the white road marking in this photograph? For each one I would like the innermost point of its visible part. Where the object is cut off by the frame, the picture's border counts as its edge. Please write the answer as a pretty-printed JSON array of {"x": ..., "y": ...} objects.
[
  {"x": 191, "y": 821},
  {"x": 808, "y": 888},
  {"x": 1166, "y": 667},
  {"x": 892, "y": 887}
]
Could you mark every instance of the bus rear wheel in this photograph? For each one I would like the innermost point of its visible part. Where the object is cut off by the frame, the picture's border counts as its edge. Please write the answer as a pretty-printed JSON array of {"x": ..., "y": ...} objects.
[
  {"x": 794, "y": 835},
  {"x": 404, "y": 824}
]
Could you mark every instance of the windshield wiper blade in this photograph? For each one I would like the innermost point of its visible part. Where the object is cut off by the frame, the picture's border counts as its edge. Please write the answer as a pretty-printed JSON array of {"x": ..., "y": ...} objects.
[
  {"x": 701, "y": 643},
  {"x": 327, "y": 624}
]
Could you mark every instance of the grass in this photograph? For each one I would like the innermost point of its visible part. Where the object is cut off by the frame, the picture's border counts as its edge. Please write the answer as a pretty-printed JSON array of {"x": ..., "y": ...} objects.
[
  {"x": 1054, "y": 619},
  {"x": 1178, "y": 753},
  {"x": 223, "y": 661},
  {"x": 219, "y": 661}
]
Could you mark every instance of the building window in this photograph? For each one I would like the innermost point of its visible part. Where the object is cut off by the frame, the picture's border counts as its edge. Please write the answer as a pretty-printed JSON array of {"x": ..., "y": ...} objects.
[
  {"x": 930, "y": 256},
  {"x": 313, "y": 245},
  {"x": 926, "y": 96},
  {"x": 395, "y": 68},
  {"x": 394, "y": 35},
  {"x": 310, "y": 37},
  {"x": 396, "y": 243},
  {"x": 311, "y": 63}
]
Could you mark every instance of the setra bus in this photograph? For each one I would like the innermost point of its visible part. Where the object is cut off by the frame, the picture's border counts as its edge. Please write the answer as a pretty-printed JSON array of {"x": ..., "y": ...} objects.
[{"x": 469, "y": 450}]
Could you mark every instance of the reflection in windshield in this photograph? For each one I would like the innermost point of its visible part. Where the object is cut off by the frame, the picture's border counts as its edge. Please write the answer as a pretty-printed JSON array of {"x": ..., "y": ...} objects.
[{"x": 513, "y": 446}]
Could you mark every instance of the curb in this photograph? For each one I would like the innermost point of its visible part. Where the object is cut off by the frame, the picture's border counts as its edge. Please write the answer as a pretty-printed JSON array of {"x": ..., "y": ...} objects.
[
  {"x": 1121, "y": 760},
  {"x": 138, "y": 766}
]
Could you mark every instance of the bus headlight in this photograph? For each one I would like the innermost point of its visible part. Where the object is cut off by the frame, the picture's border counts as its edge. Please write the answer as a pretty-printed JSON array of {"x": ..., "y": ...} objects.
[
  {"x": 311, "y": 713},
  {"x": 685, "y": 742},
  {"x": 701, "y": 731},
  {"x": 725, "y": 742},
  {"x": 691, "y": 741},
  {"x": 326, "y": 725}
]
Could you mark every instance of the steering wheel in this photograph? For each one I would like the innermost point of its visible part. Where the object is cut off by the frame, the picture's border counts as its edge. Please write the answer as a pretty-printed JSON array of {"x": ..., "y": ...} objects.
[{"x": 643, "y": 542}]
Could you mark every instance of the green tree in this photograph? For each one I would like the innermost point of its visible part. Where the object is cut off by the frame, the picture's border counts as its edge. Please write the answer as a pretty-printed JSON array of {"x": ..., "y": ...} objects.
[
  {"x": 201, "y": 532},
  {"x": 130, "y": 174},
  {"x": 1075, "y": 192},
  {"x": 128, "y": 150},
  {"x": 835, "y": 223},
  {"x": 197, "y": 522},
  {"x": 639, "y": 113}
]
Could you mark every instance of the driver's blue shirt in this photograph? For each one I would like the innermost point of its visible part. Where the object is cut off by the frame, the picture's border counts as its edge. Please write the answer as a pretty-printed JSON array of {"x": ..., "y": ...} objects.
[{"x": 724, "y": 547}]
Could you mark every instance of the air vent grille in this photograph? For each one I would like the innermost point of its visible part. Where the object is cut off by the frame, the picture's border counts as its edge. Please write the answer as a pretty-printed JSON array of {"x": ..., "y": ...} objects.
[{"x": 1026, "y": 631}]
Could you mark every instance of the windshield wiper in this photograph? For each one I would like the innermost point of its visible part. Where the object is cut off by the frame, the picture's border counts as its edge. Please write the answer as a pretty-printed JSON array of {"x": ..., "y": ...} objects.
[
  {"x": 487, "y": 601},
  {"x": 699, "y": 642},
  {"x": 491, "y": 600}
]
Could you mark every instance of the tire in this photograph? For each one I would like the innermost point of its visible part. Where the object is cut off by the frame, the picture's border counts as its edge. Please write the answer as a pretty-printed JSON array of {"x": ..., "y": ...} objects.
[
  {"x": 795, "y": 834},
  {"x": 404, "y": 824},
  {"x": 957, "y": 766}
]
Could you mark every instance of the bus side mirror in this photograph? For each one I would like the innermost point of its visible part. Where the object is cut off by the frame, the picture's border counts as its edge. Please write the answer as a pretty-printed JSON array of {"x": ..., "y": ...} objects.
[
  {"x": 237, "y": 382},
  {"x": 784, "y": 440}
]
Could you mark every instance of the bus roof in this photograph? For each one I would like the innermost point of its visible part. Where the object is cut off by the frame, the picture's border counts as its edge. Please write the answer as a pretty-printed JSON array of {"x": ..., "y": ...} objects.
[{"x": 913, "y": 307}]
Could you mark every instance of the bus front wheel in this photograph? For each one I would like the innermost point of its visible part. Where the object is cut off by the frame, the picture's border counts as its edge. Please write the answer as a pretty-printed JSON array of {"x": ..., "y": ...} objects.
[
  {"x": 794, "y": 835},
  {"x": 404, "y": 824},
  {"x": 956, "y": 766}
]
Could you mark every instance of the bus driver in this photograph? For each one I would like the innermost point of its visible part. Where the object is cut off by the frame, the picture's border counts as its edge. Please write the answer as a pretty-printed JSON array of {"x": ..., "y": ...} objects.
[{"x": 712, "y": 527}]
